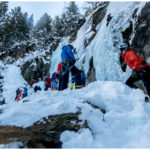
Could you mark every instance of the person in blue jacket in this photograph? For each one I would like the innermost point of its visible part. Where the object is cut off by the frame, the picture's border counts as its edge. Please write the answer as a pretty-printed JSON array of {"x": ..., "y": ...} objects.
[
  {"x": 54, "y": 82},
  {"x": 68, "y": 61},
  {"x": 17, "y": 92},
  {"x": 25, "y": 92}
]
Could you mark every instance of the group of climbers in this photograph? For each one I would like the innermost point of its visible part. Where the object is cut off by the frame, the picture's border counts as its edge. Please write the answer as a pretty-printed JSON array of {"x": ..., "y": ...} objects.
[
  {"x": 93, "y": 25},
  {"x": 65, "y": 67},
  {"x": 21, "y": 93},
  {"x": 59, "y": 80}
]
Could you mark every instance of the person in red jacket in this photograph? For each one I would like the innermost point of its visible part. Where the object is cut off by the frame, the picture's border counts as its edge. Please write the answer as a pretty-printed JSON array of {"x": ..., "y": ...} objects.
[
  {"x": 93, "y": 28},
  {"x": 31, "y": 82},
  {"x": 47, "y": 82},
  {"x": 60, "y": 76},
  {"x": 140, "y": 68}
]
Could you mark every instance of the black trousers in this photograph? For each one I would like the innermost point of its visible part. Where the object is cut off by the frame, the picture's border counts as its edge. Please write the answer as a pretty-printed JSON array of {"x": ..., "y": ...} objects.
[
  {"x": 66, "y": 68},
  {"x": 144, "y": 75}
]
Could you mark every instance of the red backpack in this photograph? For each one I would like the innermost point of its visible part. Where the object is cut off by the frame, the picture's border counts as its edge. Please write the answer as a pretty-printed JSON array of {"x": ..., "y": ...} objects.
[{"x": 59, "y": 68}]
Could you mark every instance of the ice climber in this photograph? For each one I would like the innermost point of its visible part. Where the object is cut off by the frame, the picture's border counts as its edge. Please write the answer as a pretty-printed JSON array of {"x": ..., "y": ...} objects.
[
  {"x": 93, "y": 28},
  {"x": 109, "y": 17},
  {"x": 68, "y": 61},
  {"x": 140, "y": 69}
]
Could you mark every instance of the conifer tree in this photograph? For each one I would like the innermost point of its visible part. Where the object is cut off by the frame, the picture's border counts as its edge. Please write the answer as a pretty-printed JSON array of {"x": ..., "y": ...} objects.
[
  {"x": 72, "y": 15},
  {"x": 3, "y": 13},
  {"x": 15, "y": 28},
  {"x": 58, "y": 27},
  {"x": 43, "y": 30}
]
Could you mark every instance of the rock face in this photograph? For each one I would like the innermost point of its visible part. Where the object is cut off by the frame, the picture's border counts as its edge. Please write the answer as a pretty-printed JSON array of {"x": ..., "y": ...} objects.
[
  {"x": 2, "y": 100},
  {"x": 99, "y": 15},
  {"x": 91, "y": 75},
  {"x": 141, "y": 32},
  {"x": 141, "y": 41},
  {"x": 34, "y": 69},
  {"x": 42, "y": 134},
  {"x": 18, "y": 51},
  {"x": 96, "y": 18},
  {"x": 74, "y": 34}
]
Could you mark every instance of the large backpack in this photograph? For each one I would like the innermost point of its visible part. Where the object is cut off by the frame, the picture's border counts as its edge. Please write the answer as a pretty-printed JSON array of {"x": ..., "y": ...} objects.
[{"x": 80, "y": 78}]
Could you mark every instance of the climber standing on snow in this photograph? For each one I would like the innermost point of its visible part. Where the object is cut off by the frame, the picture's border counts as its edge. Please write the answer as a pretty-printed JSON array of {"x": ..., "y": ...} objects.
[
  {"x": 25, "y": 92},
  {"x": 47, "y": 82},
  {"x": 68, "y": 61},
  {"x": 59, "y": 75},
  {"x": 140, "y": 68}
]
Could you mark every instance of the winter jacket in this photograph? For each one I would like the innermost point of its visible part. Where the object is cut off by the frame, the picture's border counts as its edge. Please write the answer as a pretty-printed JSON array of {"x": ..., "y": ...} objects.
[
  {"x": 25, "y": 92},
  {"x": 32, "y": 82},
  {"x": 133, "y": 60},
  {"x": 59, "y": 67},
  {"x": 67, "y": 54},
  {"x": 48, "y": 81},
  {"x": 108, "y": 18},
  {"x": 53, "y": 85}
]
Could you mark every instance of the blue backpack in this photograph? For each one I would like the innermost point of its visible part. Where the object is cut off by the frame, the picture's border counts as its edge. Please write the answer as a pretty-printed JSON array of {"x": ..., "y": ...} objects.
[{"x": 80, "y": 78}]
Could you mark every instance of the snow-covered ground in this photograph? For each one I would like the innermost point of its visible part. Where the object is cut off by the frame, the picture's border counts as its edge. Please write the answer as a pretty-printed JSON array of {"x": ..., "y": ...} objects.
[{"x": 125, "y": 125}]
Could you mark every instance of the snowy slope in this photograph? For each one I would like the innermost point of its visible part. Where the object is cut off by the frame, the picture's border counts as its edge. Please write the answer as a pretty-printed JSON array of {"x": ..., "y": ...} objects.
[{"x": 126, "y": 123}]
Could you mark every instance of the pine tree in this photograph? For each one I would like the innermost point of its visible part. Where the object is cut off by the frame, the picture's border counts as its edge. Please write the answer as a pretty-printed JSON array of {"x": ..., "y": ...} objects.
[
  {"x": 30, "y": 22},
  {"x": 44, "y": 25},
  {"x": 58, "y": 27},
  {"x": 3, "y": 10},
  {"x": 3, "y": 13},
  {"x": 15, "y": 27},
  {"x": 43, "y": 31},
  {"x": 72, "y": 17}
]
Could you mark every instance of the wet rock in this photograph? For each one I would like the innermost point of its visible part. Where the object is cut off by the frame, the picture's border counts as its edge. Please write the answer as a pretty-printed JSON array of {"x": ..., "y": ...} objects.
[
  {"x": 141, "y": 40},
  {"x": 127, "y": 33},
  {"x": 91, "y": 75},
  {"x": 34, "y": 69},
  {"x": 18, "y": 51},
  {"x": 44, "y": 133},
  {"x": 99, "y": 14},
  {"x": 74, "y": 34}
]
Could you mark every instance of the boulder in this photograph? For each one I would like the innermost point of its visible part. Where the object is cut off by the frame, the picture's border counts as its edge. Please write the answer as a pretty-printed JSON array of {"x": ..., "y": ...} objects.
[
  {"x": 44, "y": 133},
  {"x": 34, "y": 69}
]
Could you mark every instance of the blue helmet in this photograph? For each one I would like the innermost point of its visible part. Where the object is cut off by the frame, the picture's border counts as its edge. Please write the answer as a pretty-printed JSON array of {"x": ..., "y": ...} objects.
[{"x": 123, "y": 46}]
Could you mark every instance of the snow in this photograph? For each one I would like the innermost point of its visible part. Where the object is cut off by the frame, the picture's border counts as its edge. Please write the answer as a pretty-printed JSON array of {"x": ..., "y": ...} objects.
[
  {"x": 12, "y": 81},
  {"x": 126, "y": 122}
]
